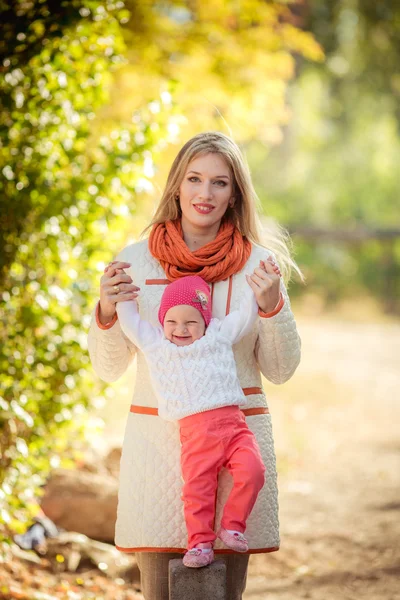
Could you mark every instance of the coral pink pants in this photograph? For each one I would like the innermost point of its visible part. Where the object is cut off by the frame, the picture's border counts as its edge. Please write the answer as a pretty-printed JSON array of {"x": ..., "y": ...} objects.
[{"x": 211, "y": 440}]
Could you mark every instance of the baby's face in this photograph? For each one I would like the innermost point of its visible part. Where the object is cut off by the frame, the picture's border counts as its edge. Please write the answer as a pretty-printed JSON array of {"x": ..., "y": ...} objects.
[{"x": 183, "y": 325}]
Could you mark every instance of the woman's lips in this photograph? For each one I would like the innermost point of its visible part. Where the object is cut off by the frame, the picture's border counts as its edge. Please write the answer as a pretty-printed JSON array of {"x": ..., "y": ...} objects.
[{"x": 203, "y": 209}]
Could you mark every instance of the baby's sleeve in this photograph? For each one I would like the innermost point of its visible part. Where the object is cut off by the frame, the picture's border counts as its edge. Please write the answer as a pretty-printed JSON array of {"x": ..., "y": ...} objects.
[
  {"x": 240, "y": 322},
  {"x": 140, "y": 332}
]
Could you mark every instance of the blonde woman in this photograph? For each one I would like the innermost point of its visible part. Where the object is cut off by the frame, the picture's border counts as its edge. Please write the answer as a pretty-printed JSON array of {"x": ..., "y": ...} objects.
[{"x": 207, "y": 225}]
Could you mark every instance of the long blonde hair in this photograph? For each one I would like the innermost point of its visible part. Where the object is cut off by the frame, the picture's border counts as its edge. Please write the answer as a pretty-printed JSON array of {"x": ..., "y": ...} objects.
[{"x": 245, "y": 212}]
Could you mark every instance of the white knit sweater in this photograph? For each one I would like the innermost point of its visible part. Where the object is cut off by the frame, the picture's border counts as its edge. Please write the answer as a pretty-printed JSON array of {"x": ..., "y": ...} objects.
[{"x": 198, "y": 377}]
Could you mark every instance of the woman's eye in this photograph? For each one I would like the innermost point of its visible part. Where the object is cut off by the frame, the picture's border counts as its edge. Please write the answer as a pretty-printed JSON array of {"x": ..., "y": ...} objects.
[{"x": 219, "y": 182}]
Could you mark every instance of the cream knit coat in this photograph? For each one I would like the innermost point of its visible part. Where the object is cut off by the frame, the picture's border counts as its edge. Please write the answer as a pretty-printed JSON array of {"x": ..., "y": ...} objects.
[{"x": 150, "y": 510}]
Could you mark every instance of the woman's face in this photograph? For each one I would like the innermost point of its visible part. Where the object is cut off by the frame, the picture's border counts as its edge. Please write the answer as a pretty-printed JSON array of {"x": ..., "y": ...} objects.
[{"x": 205, "y": 192}]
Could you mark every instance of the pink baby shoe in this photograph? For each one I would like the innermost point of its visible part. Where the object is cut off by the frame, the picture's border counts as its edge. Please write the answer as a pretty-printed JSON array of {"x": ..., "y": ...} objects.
[
  {"x": 235, "y": 541},
  {"x": 196, "y": 557}
]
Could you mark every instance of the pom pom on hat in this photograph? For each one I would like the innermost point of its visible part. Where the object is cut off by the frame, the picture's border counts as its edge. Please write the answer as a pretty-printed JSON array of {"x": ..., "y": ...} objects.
[{"x": 192, "y": 291}]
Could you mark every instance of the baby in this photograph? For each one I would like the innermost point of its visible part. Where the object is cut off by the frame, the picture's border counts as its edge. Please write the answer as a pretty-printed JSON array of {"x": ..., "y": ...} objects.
[{"x": 192, "y": 366}]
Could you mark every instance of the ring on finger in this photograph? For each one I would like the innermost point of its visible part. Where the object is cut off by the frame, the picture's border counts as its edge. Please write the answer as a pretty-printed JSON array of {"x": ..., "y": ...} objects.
[{"x": 116, "y": 289}]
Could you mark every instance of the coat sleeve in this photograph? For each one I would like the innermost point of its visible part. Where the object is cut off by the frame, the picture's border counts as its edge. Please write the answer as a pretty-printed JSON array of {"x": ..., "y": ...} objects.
[
  {"x": 278, "y": 345},
  {"x": 110, "y": 351}
]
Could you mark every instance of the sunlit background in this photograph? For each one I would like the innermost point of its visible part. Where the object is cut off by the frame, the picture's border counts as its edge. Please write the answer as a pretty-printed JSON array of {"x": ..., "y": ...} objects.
[{"x": 96, "y": 100}]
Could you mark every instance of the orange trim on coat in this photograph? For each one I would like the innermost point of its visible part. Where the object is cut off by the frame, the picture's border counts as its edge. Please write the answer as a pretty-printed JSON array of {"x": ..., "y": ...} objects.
[
  {"x": 107, "y": 325},
  {"x": 228, "y": 300},
  {"x": 181, "y": 550},
  {"x": 150, "y": 410},
  {"x": 257, "y": 410},
  {"x": 143, "y": 410},
  {"x": 157, "y": 281},
  {"x": 274, "y": 312},
  {"x": 252, "y": 390}
]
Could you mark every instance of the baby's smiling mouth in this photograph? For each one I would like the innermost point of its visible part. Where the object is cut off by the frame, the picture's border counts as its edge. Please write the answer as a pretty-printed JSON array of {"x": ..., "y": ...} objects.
[{"x": 181, "y": 340}]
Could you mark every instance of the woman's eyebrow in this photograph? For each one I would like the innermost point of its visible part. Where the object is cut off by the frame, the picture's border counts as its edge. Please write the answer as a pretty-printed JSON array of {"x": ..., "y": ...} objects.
[{"x": 216, "y": 176}]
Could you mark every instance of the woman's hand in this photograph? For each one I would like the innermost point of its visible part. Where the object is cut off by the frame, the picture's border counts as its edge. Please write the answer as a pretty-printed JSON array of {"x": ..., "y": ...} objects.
[
  {"x": 115, "y": 286},
  {"x": 265, "y": 282}
]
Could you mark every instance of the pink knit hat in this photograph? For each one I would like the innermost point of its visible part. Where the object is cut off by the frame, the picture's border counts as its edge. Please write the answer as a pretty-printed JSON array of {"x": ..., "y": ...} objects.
[{"x": 192, "y": 291}]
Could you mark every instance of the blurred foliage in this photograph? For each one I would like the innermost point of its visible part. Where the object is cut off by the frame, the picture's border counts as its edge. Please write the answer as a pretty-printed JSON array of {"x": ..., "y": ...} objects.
[
  {"x": 338, "y": 164},
  {"x": 90, "y": 92},
  {"x": 67, "y": 181},
  {"x": 229, "y": 62}
]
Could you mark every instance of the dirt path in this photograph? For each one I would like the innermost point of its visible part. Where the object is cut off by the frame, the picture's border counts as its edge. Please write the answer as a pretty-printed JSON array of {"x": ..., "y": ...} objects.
[{"x": 338, "y": 443}]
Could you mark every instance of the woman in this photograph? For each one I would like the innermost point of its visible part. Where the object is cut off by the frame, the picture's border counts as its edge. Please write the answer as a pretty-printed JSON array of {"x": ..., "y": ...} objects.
[{"x": 206, "y": 224}]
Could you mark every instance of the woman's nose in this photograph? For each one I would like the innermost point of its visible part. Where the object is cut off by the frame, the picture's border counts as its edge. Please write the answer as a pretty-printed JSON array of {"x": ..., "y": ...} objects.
[{"x": 206, "y": 191}]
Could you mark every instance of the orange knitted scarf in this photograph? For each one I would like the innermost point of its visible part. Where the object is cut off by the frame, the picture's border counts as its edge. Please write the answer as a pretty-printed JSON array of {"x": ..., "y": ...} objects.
[{"x": 216, "y": 261}]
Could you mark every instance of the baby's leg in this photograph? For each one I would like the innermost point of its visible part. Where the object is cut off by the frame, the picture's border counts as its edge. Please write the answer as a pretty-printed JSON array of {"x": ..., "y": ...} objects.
[
  {"x": 201, "y": 459},
  {"x": 245, "y": 464}
]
